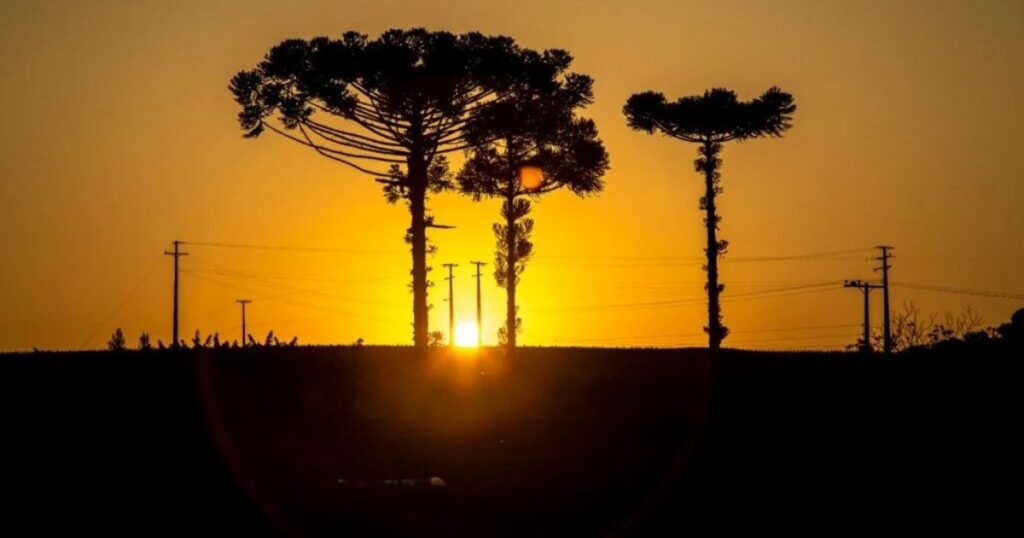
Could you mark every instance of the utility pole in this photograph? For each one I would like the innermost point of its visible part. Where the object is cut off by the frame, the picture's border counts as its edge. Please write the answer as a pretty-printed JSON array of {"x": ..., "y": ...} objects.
[
  {"x": 177, "y": 253},
  {"x": 451, "y": 304},
  {"x": 243, "y": 302},
  {"x": 866, "y": 288},
  {"x": 479, "y": 317},
  {"x": 886, "y": 331}
]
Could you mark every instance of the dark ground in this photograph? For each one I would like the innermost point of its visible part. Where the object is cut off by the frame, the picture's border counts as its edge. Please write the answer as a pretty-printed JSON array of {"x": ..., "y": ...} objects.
[{"x": 551, "y": 442}]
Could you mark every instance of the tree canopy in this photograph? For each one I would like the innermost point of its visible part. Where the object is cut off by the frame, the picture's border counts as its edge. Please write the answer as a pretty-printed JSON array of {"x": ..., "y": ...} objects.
[
  {"x": 406, "y": 92},
  {"x": 530, "y": 128},
  {"x": 716, "y": 115}
]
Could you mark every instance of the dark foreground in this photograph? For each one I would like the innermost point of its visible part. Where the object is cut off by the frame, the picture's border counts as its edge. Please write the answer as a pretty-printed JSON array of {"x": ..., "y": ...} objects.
[{"x": 551, "y": 442}]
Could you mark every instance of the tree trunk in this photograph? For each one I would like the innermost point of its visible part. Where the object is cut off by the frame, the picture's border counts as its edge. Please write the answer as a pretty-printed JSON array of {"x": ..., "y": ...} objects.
[
  {"x": 511, "y": 324},
  {"x": 708, "y": 164},
  {"x": 418, "y": 238}
]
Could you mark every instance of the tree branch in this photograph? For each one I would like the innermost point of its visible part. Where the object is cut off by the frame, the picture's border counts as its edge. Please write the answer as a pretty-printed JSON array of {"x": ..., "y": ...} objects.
[{"x": 322, "y": 152}]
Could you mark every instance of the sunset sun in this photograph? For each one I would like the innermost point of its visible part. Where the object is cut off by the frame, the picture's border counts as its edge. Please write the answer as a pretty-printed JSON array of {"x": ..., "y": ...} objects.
[{"x": 465, "y": 334}]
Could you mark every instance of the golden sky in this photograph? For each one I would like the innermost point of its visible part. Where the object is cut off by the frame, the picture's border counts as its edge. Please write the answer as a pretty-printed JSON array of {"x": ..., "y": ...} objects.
[{"x": 119, "y": 136}]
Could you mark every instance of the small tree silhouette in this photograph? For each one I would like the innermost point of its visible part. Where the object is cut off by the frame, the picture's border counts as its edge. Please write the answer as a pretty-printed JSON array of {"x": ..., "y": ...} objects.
[
  {"x": 436, "y": 339},
  {"x": 400, "y": 101},
  {"x": 710, "y": 120},
  {"x": 526, "y": 145},
  {"x": 116, "y": 342},
  {"x": 145, "y": 344}
]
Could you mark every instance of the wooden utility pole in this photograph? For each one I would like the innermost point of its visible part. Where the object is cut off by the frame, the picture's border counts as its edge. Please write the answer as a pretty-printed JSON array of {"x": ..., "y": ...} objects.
[
  {"x": 479, "y": 316},
  {"x": 243, "y": 302},
  {"x": 886, "y": 330},
  {"x": 451, "y": 304},
  {"x": 176, "y": 253},
  {"x": 866, "y": 288}
]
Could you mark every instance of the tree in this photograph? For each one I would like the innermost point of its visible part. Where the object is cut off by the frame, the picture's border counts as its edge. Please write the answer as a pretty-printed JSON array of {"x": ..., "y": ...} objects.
[
  {"x": 145, "y": 344},
  {"x": 400, "y": 101},
  {"x": 912, "y": 329},
  {"x": 436, "y": 339},
  {"x": 1014, "y": 330},
  {"x": 710, "y": 120},
  {"x": 116, "y": 342},
  {"x": 526, "y": 145}
]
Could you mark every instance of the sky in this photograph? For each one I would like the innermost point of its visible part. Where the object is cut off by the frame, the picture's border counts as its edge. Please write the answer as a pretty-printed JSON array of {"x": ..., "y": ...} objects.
[{"x": 119, "y": 136}]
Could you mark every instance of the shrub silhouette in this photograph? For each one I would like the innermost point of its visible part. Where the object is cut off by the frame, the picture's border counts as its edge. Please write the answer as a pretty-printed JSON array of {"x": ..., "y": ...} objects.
[
  {"x": 436, "y": 339},
  {"x": 710, "y": 120}
]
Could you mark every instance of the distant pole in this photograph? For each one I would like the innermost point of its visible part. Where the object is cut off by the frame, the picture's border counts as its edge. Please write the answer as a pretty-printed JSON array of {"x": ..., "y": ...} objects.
[
  {"x": 866, "y": 289},
  {"x": 867, "y": 319},
  {"x": 176, "y": 253},
  {"x": 243, "y": 302},
  {"x": 479, "y": 316},
  {"x": 451, "y": 304},
  {"x": 886, "y": 331}
]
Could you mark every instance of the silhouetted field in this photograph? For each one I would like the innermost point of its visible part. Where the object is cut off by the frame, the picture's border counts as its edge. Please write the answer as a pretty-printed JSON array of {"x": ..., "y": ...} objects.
[{"x": 568, "y": 442}]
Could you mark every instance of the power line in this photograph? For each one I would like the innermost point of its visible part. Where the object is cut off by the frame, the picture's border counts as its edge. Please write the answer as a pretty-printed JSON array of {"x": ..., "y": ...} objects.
[
  {"x": 292, "y": 248},
  {"x": 732, "y": 334},
  {"x": 961, "y": 291},
  {"x": 305, "y": 277},
  {"x": 632, "y": 261},
  {"x": 301, "y": 304},
  {"x": 693, "y": 259},
  {"x": 121, "y": 303},
  {"x": 762, "y": 294},
  {"x": 295, "y": 288},
  {"x": 787, "y": 288}
]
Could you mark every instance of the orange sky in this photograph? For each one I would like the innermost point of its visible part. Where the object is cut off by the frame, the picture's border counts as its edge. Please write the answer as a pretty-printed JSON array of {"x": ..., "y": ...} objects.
[{"x": 119, "y": 136}]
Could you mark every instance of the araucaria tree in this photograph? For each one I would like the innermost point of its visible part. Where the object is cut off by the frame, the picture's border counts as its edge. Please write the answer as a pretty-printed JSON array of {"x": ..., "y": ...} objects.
[
  {"x": 710, "y": 120},
  {"x": 390, "y": 107},
  {"x": 526, "y": 145}
]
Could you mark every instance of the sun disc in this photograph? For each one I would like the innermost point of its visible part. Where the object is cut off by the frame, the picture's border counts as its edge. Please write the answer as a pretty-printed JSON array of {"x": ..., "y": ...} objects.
[
  {"x": 531, "y": 177},
  {"x": 465, "y": 334}
]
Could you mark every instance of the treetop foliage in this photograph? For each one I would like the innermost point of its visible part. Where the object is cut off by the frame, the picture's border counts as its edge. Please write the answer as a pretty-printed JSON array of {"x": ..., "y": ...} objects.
[
  {"x": 714, "y": 116},
  {"x": 407, "y": 90},
  {"x": 536, "y": 125}
]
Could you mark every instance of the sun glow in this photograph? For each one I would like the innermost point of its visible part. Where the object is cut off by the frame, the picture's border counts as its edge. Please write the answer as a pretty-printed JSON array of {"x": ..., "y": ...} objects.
[{"x": 465, "y": 334}]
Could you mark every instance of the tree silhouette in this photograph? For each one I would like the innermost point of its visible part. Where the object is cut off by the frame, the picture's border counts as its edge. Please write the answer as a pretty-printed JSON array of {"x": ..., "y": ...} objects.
[
  {"x": 1014, "y": 330},
  {"x": 400, "y": 102},
  {"x": 117, "y": 342},
  {"x": 525, "y": 145},
  {"x": 710, "y": 120}
]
